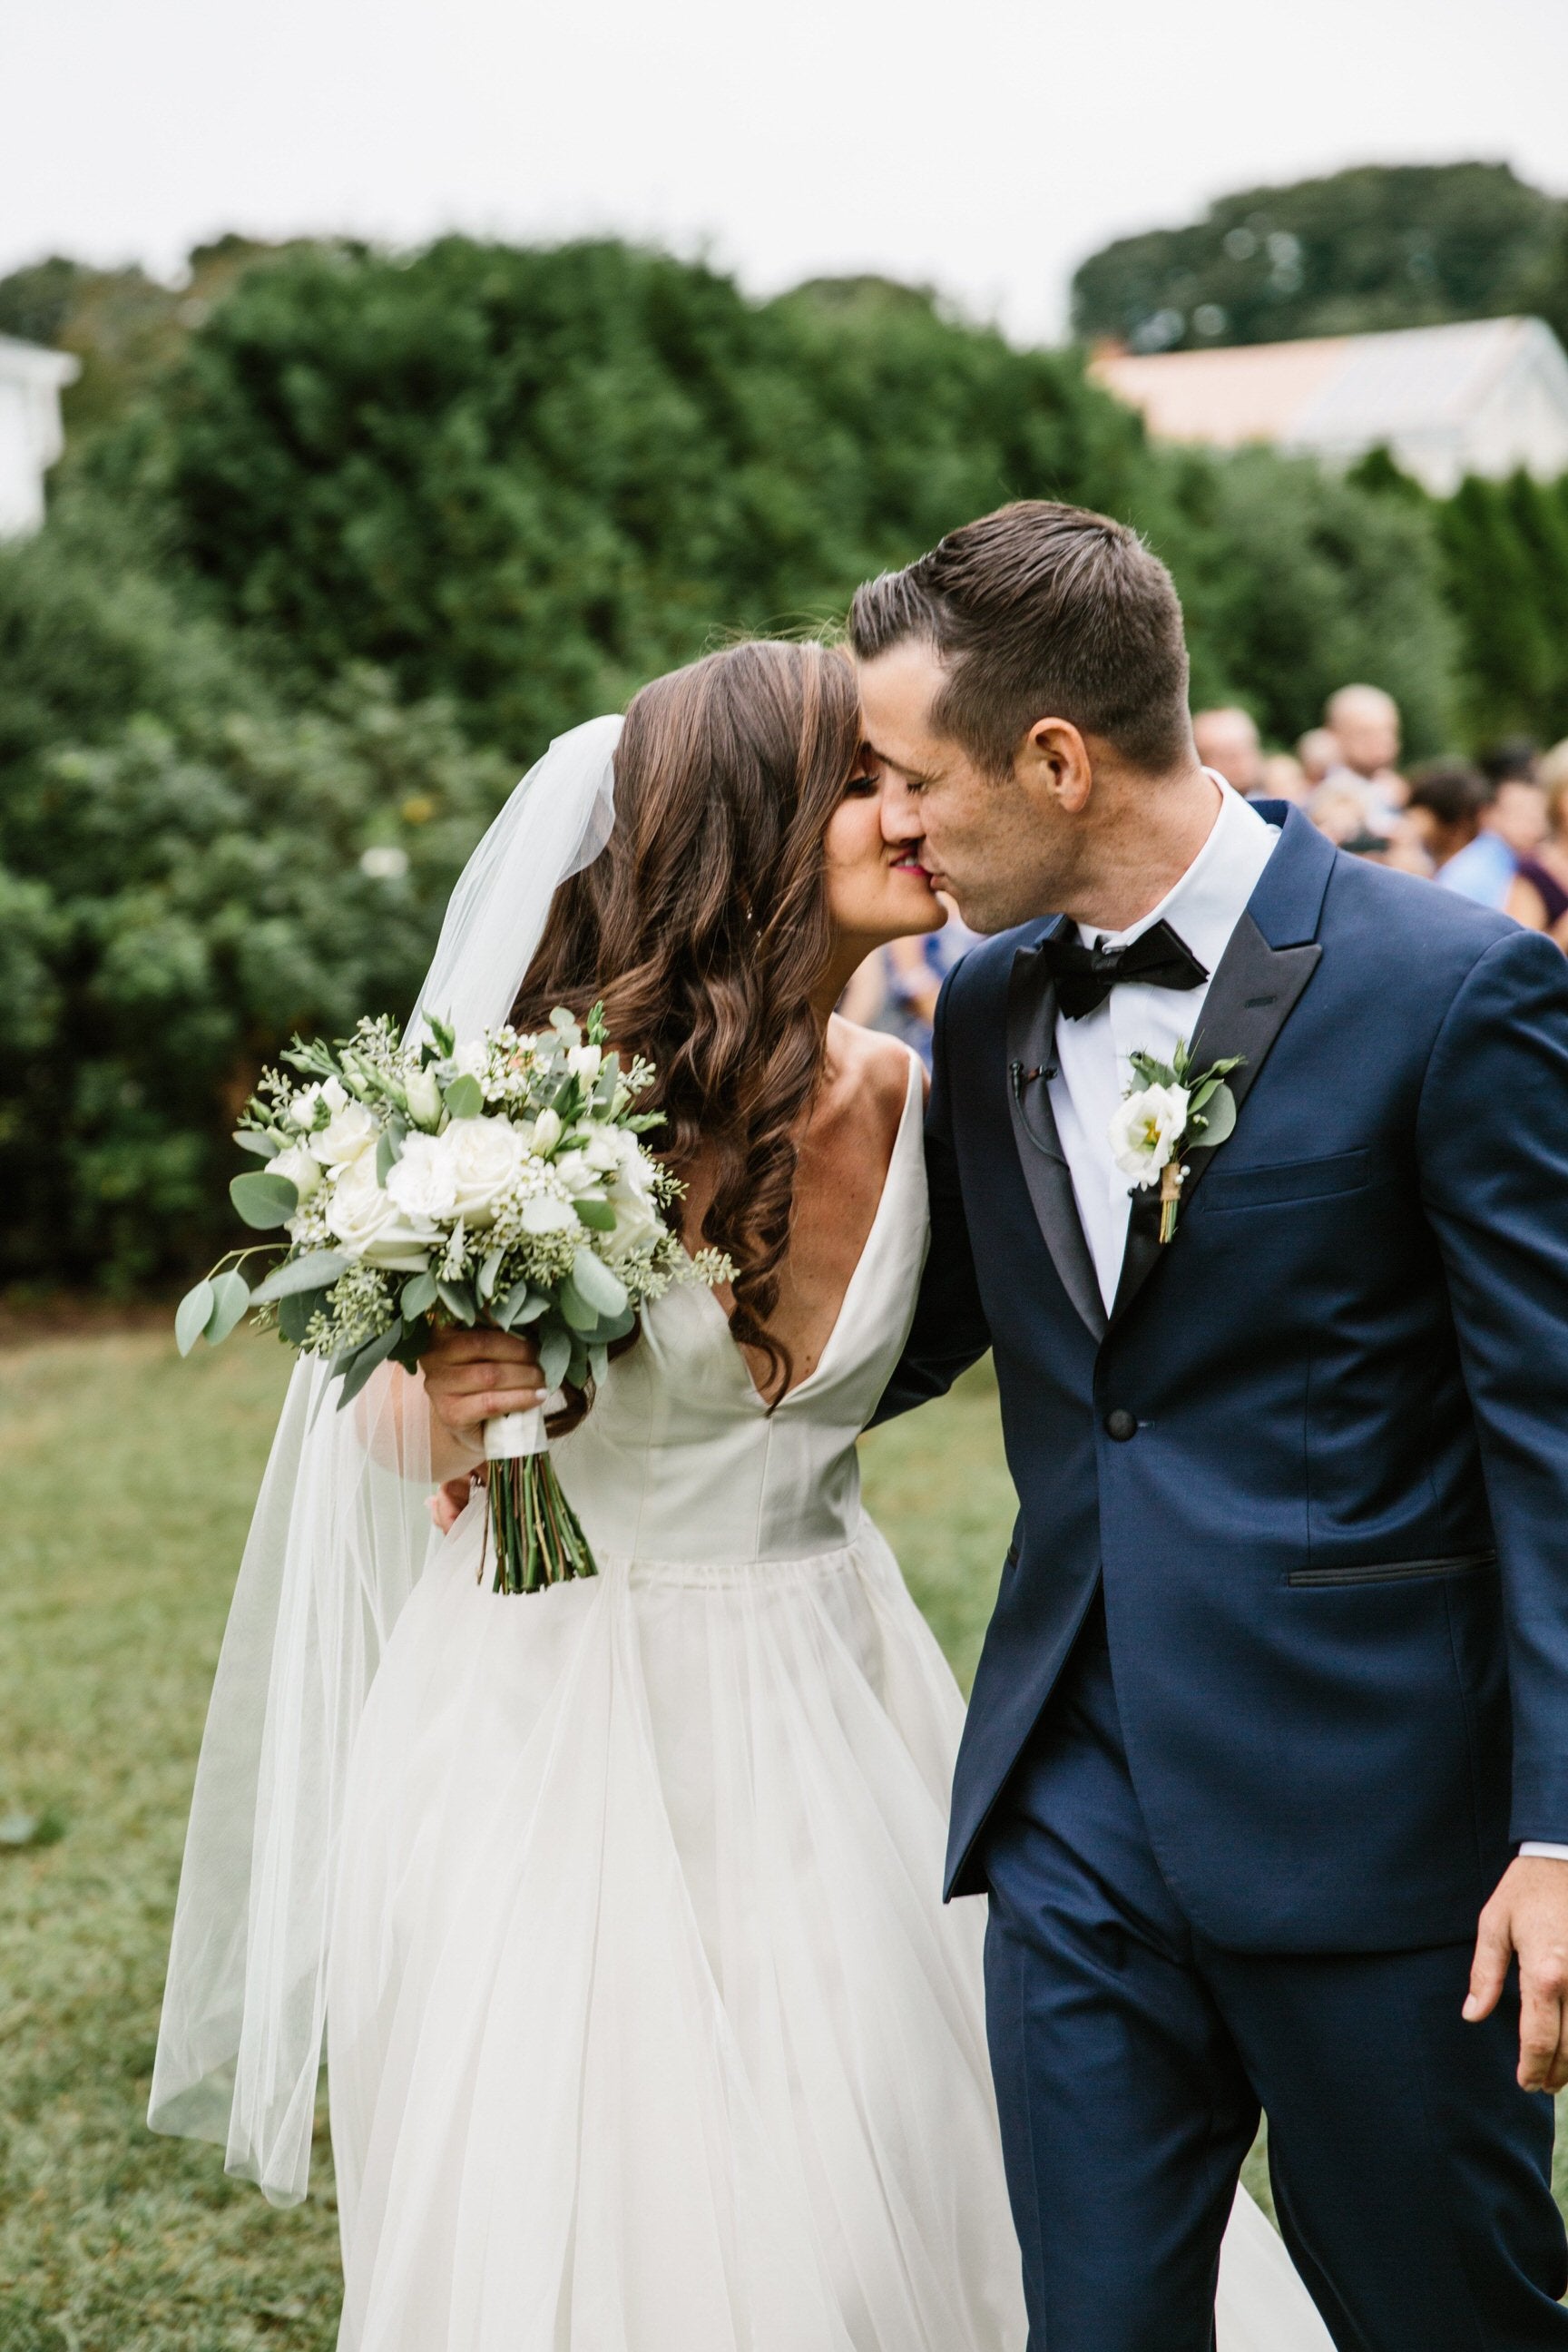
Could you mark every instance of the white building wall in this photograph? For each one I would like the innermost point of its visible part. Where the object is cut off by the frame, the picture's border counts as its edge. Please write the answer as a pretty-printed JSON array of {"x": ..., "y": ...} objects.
[{"x": 30, "y": 435}]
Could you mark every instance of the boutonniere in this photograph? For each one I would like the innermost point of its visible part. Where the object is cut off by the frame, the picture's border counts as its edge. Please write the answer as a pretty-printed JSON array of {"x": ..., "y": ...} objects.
[{"x": 1168, "y": 1110}]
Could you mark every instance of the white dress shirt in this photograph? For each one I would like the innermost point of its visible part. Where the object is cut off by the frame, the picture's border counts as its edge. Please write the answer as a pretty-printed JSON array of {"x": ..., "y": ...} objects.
[{"x": 1092, "y": 1069}]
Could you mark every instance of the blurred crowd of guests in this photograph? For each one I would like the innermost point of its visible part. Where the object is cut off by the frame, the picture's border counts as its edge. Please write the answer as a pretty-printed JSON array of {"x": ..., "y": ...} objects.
[{"x": 1495, "y": 828}]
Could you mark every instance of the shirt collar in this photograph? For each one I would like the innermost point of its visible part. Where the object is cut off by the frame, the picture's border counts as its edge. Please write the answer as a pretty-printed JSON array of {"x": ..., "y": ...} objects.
[{"x": 1205, "y": 905}]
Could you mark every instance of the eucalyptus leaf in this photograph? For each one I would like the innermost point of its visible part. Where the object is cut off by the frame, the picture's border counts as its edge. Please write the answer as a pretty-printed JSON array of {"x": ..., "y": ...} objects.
[
  {"x": 598, "y": 1362},
  {"x": 318, "y": 1270},
  {"x": 264, "y": 1200},
  {"x": 231, "y": 1296},
  {"x": 366, "y": 1360},
  {"x": 192, "y": 1317},
  {"x": 465, "y": 1098},
  {"x": 488, "y": 1272},
  {"x": 419, "y": 1295},
  {"x": 1219, "y": 1118},
  {"x": 577, "y": 1368},
  {"x": 294, "y": 1314},
  {"x": 457, "y": 1300},
  {"x": 258, "y": 1140},
  {"x": 519, "y": 1305},
  {"x": 604, "y": 1292},
  {"x": 596, "y": 1214},
  {"x": 555, "y": 1355},
  {"x": 580, "y": 1312}
]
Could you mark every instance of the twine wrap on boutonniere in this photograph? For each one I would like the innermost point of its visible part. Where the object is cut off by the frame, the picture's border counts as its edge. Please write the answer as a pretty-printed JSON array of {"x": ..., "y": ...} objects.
[{"x": 1169, "y": 1111}]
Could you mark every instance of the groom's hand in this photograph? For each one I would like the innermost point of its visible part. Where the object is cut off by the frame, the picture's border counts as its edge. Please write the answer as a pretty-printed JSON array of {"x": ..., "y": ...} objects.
[{"x": 1528, "y": 1915}]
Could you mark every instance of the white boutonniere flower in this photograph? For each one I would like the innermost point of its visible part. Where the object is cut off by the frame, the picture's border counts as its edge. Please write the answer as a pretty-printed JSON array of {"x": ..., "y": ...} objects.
[{"x": 1168, "y": 1110}]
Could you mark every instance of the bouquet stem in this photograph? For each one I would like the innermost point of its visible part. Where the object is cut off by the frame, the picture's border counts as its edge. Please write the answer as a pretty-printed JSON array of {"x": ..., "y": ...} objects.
[{"x": 539, "y": 1539}]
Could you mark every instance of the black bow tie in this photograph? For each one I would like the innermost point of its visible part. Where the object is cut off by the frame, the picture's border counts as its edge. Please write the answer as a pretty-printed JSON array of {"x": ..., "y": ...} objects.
[{"x": 1085, "y": 977}]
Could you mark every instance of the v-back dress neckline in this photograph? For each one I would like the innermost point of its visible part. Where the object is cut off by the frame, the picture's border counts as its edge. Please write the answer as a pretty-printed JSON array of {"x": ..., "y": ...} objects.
[{"x": 909, "y": 1123}]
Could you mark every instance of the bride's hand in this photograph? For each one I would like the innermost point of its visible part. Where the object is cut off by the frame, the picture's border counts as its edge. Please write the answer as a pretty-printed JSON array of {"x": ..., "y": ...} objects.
[{"x": 472, "y": 1377}]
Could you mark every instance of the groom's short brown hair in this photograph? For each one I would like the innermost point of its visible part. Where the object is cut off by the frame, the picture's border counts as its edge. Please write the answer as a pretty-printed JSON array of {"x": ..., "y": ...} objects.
[{"x": 1041, "y": 610}]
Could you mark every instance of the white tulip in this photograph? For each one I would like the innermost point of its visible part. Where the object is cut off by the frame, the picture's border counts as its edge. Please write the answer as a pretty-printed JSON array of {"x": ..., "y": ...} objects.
[
  {"x": 546, "y": 1134},
  {"x": 584, "y": 1062},
  {"x": 423, "y": 1100}
]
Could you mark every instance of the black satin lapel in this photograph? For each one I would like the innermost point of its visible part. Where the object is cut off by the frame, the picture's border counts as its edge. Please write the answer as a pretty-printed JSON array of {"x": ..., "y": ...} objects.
[
  {"x": 1252, "y": 995},
  {"x": 1031, "y": 1041}
]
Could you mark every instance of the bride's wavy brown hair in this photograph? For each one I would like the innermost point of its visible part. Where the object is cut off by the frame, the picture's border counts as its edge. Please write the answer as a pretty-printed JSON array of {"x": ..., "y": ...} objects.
[{"x": 703, "y": 927}]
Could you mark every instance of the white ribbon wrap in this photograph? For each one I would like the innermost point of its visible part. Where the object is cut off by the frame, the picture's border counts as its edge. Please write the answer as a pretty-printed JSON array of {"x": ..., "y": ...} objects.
[{"x": 513, "y": 1434}]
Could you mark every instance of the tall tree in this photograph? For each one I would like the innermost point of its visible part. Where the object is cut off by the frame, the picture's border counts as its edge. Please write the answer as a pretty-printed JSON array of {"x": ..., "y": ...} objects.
[{"x": 1379, "y": 246}]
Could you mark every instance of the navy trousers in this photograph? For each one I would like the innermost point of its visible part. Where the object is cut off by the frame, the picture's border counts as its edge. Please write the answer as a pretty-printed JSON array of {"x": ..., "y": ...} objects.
[{"x": 1411, "y": 2175}]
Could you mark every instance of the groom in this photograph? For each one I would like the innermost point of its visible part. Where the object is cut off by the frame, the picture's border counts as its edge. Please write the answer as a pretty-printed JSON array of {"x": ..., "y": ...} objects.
[{"x": 1274, "y": 1704}]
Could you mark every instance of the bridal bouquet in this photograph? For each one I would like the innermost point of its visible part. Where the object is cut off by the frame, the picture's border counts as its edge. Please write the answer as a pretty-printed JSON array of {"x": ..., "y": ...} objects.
[{"x": 421, "y": 1185}]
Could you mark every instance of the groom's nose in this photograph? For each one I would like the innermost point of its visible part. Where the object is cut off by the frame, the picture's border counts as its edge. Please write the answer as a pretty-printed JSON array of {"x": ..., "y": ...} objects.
[{"x": 899, "y": 808}]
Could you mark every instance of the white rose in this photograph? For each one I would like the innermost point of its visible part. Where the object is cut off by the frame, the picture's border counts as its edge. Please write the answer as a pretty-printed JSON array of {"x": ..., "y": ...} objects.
[
  {"x": 546, "y": 1133},
  {"x": 543, "y": 1213},
  {"x": 584, "y": 1062},
  {"x": 349, "y": 1133},
  {"x": 370, "y": 1225},
  {"x": 302, "y": 1111},
  {"x": 299, "y": 1165},
  {"x": 422, "y": 1181},
  {"x": 424, "y": 1099},
  {"x": 484, "y": 1155},
  {"x": 1146, "y": 1131}
]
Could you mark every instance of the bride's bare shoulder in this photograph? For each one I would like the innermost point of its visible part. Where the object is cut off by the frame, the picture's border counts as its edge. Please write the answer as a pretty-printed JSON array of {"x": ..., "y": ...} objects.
[{"x": 872, "y": 1062}]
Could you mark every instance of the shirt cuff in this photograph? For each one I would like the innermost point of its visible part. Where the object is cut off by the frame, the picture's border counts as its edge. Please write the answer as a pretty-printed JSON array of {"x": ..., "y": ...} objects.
[{"x": 1553, "y": 1853}]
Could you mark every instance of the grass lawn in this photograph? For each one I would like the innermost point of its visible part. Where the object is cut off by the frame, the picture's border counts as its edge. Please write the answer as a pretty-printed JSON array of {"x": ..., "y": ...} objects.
[{"x": 126, "y": 1479}]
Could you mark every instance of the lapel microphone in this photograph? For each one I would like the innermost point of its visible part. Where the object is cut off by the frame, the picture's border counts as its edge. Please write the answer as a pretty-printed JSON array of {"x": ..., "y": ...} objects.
[{"x": 1022, "y": 1078}]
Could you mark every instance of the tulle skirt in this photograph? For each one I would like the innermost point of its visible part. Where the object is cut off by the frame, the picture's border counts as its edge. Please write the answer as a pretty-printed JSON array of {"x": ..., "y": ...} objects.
[{"x": 647, "y": 2031}]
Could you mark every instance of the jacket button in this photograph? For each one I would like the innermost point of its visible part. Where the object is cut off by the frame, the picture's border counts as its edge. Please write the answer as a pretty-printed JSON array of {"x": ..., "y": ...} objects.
[{"x": 1121, "y": 1424}]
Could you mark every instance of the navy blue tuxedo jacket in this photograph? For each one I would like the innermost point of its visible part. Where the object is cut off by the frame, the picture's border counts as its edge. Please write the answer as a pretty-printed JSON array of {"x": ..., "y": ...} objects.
[{"x": 1317, "y": 1453}]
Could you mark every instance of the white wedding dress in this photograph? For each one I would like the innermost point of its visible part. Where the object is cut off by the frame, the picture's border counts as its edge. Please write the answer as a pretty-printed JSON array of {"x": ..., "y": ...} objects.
[{"x": 648, "y": 2029}]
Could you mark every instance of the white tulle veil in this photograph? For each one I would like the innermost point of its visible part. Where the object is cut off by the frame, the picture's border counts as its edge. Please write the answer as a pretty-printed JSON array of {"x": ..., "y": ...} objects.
[{"x": 340, "y": 1536}]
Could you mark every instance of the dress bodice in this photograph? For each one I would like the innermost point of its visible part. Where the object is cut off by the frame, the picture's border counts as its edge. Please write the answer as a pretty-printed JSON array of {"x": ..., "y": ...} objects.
[{"x": 680, "y": 1460}]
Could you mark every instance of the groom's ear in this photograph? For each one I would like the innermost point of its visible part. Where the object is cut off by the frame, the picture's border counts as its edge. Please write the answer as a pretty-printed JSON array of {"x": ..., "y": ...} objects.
[{"x": 1053, "y": 764}]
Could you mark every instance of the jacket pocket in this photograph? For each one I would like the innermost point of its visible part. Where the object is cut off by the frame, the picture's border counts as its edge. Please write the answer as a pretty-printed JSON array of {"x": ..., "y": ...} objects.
[
  {"x": 1396, "y": 1572},
  {"x": 1289, "y": 1180}
]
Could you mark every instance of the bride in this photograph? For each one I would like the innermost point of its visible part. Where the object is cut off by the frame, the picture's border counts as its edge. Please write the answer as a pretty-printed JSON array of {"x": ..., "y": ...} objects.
[{"x": 647, "y": 2030}]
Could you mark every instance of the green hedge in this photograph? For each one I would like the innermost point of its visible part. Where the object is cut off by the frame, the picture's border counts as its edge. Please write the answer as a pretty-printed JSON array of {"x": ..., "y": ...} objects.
[{"x": 330, "y": 577}]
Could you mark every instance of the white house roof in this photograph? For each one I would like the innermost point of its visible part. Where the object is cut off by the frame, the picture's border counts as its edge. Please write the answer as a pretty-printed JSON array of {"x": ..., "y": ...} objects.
[{"x": 1485, "y": 395}]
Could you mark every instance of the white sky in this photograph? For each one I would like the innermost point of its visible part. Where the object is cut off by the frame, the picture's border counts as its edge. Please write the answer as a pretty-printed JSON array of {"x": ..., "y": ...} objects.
[{"x": 984, "y": 146}]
